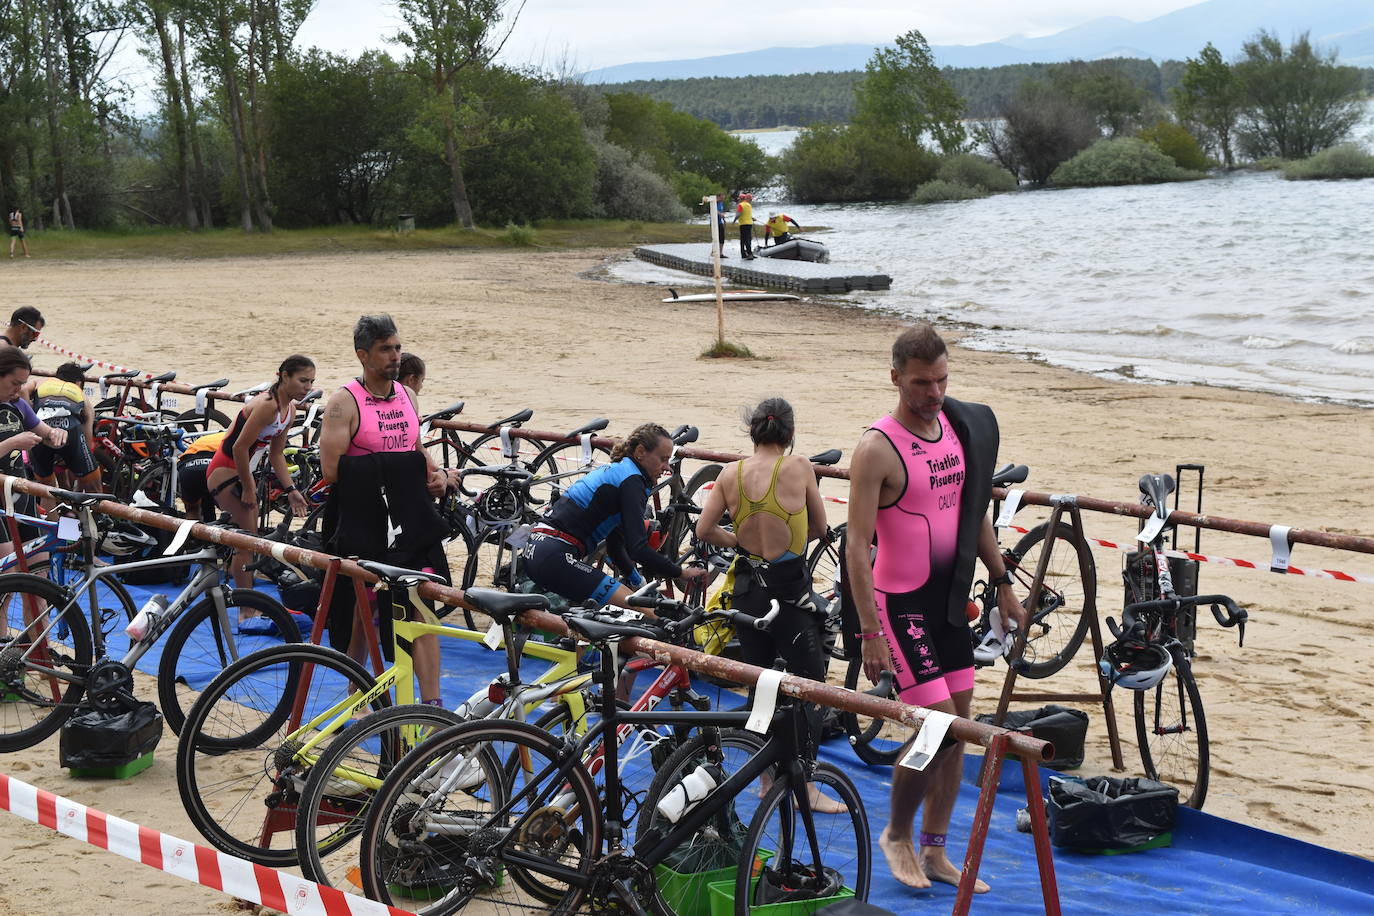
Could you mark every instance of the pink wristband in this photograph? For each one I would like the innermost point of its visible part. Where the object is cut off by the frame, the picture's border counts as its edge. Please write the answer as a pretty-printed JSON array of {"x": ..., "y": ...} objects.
[{"x": 872, "y": 635}]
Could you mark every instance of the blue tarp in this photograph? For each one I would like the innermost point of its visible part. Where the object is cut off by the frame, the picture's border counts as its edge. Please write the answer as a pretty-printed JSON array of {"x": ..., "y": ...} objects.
[{"x": 1214, "y": 866}]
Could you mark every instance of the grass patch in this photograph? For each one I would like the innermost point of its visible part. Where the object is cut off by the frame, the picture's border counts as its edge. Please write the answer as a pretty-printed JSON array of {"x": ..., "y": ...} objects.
[
  {"x": 939, "y": 190},
  {"x": 723, "y": 349},
  {"x": 1345, "y": 161},
  {"x": 224, "y": 243}
]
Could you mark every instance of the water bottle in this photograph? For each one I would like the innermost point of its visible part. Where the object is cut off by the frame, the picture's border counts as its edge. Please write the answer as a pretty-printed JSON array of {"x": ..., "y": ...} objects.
[
  {"x": 148, "y": 618},
  {"x": 684, "y": 796}
]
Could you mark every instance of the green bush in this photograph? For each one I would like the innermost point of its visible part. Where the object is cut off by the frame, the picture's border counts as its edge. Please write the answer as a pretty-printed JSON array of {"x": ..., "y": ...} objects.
[
  {"x": 935, "y": 191},
  {"x": 1125, "y": 160},
  {"x": 1345, "y": 161},
  {"x": 972, "y": 171},
  {"x": 1174, "y": 141},
  {"x": 846, "y": 164},
  {"x": 520, "y": 236},
  {"x": 1268, "y": 164}
]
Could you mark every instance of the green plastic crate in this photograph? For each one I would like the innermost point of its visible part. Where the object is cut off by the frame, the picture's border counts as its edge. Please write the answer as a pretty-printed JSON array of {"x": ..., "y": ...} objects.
[
  {"x": 722, "y": 894},
  {"x": 688, "y": 894},
  {"x": 1164, "y": 839},
  {"x": 121, "y": 771}
]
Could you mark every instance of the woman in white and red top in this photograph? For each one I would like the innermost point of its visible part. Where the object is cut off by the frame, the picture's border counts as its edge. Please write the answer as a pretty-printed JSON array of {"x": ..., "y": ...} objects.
[{"x": 257, "y": 433}]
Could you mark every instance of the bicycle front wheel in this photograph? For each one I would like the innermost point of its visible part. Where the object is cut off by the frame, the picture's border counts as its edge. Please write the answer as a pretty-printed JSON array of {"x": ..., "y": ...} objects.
[
  {"x": 1059, "y": 619},
  {"x": 446, "y": 830},
  {"x": 334, "y": 801},
  {"x": 45, "y": 652},
  {"x": 113, "y": 604},
  {"x": 877, "y": 742},
  {"x": 560, "y": 466},
  {"x": 824, "y": 566},
  {"x": 1172, "y": 732},
  {"x": 782, "y": 851},
  {"x": 244, "y": 750},
  {"x": 198, "y": 648}
]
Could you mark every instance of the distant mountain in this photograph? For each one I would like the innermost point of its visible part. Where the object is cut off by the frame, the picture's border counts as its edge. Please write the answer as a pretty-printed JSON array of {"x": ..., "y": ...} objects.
[{"x": 1347, "y": 25}]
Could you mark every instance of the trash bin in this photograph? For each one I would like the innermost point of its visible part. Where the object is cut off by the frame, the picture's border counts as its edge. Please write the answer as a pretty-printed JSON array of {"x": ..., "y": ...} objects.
[{"x": 405, "y": 222}]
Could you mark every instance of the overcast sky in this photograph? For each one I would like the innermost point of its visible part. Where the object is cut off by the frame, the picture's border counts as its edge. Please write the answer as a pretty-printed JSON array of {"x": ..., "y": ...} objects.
[{"x": 589, "y": 34}]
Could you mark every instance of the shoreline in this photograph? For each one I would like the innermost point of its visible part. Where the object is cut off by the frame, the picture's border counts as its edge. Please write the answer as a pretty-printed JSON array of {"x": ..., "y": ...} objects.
[{"x": 506, "y": 329}]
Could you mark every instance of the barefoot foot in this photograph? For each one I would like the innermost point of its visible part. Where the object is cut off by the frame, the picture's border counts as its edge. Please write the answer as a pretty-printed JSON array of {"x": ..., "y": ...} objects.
[
  {"x": 822, "y": 803},
  {"x": 902, "y": 861},
  {"x": 937, "y": 866}
]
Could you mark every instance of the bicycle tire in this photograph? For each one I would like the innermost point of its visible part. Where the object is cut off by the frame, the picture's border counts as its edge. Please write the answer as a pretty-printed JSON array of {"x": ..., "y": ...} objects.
[
  {"x": 34, "y": 705},
  {"x": 195, "y": 421},
  {"x": 196, "y": 644},
  {"x": 1171, "y": 730},
  {"x": 1068, "y": 598},
  {"x": 238, "y": 762},
  {"x": 865, "y": 733},
  {"x": 682, "y": 525},
  {"x": 387, "y": 872},
  {"x": 343, "y": 800},
  {"x": 117, "y": 606},
  {"x": 824, "y": 567},
  {"x": 553, "y": 462},
  {"x": 853, "y": 861}
]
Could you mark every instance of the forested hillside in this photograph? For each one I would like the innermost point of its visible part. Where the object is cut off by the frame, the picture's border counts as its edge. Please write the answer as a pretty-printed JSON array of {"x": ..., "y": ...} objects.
[{"x": 743, "y": 103}]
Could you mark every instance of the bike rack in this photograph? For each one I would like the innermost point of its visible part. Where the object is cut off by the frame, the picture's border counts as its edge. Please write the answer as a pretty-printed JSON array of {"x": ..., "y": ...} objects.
[{"x": 1061, "y": 504}]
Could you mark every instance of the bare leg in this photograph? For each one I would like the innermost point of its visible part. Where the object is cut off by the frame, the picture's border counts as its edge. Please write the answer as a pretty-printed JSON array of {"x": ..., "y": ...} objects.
[
  {"x": 426, "y": 658},
  {"x": 909, "y": 788},
  {"x": 944, "y": 790}
]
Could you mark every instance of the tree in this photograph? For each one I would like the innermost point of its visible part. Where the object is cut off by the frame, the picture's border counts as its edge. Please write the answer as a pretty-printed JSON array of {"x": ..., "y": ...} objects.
[
  {"x": 451, "y": 43},
  {"x": 1040, "y": 129},
  {"x": 904, "y": 93},
  {"x": 1103, "y": 89},
  {"x": 1209, "y": 96},
  {"x": 1296, "y": 102}
]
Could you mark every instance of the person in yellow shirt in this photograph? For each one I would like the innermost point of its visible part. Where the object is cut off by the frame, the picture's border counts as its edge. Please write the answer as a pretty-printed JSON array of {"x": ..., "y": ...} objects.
[
  {"x": 776, "y": 228},
  {"x": 744, "y": 215}
]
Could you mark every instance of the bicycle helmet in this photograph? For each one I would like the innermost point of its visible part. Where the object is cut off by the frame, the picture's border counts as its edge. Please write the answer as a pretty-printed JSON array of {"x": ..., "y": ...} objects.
[
  {"x": 1135, "y": 665},
  {"x": 126, "y": 539},
  {"x": 800, "y": 883}
]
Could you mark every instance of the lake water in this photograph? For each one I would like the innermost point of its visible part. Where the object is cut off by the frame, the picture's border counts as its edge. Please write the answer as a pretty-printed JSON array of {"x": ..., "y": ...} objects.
[{"x": 1245, "y": 281}]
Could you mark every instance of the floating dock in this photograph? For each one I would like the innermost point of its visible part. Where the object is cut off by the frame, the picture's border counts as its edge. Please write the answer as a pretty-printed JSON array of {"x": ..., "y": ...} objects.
[{"x": 800, "y": 276}]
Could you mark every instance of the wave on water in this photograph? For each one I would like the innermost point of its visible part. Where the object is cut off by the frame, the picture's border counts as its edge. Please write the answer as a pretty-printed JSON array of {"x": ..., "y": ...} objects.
[
  {"x": 1260, "y": 342},
  {"x": 1158, "y": 330},
  {"x": 1355, "y": 345}
]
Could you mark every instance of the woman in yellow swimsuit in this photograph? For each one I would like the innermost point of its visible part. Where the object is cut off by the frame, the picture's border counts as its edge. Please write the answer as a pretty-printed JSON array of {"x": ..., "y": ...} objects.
[{"x": 776, "y": 507}]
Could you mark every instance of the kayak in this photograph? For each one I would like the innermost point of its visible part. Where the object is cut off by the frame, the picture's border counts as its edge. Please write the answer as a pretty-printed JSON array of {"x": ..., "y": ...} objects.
[
  {"x": 731, "y": 295},
  {"x": 796, "y": 249}
]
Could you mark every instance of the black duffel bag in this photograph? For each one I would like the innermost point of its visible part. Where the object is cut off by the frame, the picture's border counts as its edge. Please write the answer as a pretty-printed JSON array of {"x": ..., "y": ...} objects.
[
  {"x": 93, "y": 738},
  {"x": 1105, "y": 814},
  {"x": 1065, "y": 728}
]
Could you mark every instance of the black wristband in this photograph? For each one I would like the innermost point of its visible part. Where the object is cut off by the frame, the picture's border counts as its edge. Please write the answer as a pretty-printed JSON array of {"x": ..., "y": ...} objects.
[{"x": 1004, "y": 579}]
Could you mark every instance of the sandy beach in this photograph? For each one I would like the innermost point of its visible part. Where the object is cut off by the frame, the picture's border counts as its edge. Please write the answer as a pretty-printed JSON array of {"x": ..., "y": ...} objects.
[{"x": 506, "y": 330}]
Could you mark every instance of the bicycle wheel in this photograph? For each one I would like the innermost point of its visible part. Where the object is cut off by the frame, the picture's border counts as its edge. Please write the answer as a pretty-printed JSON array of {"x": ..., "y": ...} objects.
[
  {"x": 678, "y": 534},
  {"x": 560, "y": 466},
  {"x": 334, "y": 800},
  {"x": 877, "y": 742},
  {"x": 112, "y": 600},
  {"x": 241, "y": 757},
  {"x": 202, "y": 421},
  {"x": 824, "y": 566},
  {"x": 439, "y": 835},
  {"x": 720, "y": 841},
  {"x": 43, "y": 661},
  {"x": 1172, "y": 733},
  {"x": 197, "y": 648},
  {"x": 1060, "y": 619},
  {"x": 785, "y": 853}
]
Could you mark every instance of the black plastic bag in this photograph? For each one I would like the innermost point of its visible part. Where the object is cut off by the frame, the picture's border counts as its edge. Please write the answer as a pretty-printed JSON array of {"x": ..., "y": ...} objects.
[
  {"x": 1104, "y": 813},
  {"x": 1065, "y": 728},
  {"x": 93, "y": 738}
]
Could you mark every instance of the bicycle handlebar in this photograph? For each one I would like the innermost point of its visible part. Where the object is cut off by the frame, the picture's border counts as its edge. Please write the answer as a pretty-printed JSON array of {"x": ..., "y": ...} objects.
[
  {"x": 1235, "y": 615},
  {"x": 501, "y": 472}
]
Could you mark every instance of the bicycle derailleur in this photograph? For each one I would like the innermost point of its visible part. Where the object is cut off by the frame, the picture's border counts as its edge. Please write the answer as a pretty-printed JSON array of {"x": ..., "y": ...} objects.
[{"x": 620, "y": 884}]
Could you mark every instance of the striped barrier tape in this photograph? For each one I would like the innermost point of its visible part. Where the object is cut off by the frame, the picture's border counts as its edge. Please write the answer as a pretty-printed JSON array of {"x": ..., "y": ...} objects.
[
  {"x": 86, "y": 359},
  {"x": 191, "y": 861}
]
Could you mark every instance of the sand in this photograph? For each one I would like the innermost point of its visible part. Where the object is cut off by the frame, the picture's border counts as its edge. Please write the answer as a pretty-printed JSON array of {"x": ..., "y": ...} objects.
[{"x": 506, "y": 330}]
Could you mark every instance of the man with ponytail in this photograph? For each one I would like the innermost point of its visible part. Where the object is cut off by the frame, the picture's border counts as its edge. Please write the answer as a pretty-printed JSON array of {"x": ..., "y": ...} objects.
[
  {"x": 605, "y": 507},
  {"x": 258, "y": 433}
]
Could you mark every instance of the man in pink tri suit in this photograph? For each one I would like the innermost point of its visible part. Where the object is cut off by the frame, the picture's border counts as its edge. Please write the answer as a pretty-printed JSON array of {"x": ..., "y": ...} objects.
[
  {"x": 921, "y": 481},
  {"x": 381, "y": 503}
]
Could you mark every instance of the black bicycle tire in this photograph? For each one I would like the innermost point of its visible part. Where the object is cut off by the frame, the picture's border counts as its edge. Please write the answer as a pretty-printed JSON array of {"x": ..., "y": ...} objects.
[
  {"x": 832, "y": 633},
  {"x": 194, "y": 745},
  {"x": 83, "y": 653},
  {"x": 1180, "y": 675},
  {"x": 683, "y": 524},
  {"x": 476, "y": 451},
  {"x": 1065, "y": 535},
  {"x": 398, "y": 783},
  {"x": 861, "y": 735},
  {"x": 188, "y": 420},
  {"x": 309, "y": 849},
  {"x": 167, "y": 696},
  {"x": 830, "y": 777},
  {"x": 75, "y": 576},
  {"x": 546, "y": 464}
]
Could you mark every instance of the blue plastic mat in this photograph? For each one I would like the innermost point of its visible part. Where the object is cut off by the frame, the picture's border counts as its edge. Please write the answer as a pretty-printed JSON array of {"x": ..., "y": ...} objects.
[{"x": 1214, "y": 866}]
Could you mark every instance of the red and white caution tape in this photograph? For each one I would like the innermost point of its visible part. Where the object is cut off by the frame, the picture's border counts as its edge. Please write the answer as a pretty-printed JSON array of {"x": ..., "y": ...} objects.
[
  {"x": 86, "y": 359},
  {"x": 195, "y": 863}
]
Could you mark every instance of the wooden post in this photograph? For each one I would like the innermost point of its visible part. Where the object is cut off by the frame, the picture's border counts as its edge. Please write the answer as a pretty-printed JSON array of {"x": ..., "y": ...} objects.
[{"x": 714, "y": 221}]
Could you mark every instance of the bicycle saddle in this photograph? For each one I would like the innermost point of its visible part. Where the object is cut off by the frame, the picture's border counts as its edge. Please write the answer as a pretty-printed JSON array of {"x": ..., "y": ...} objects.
[
  {"x": 514, "y": 419},
  {"x": 218, "y": 383},
  {"x": 827, "y": 458},
  {"x": 399, "y": 575},
  {"x": 600, "y": 631},
  {"x": 500, "y": 605},
  {"x": 164, "y": 377},
  {"x": 1010, "y": 473},
  {"x": 1157, "y": 487},
  {"x": 594, "y": 426},
  {"x": 77, "y": 499}
]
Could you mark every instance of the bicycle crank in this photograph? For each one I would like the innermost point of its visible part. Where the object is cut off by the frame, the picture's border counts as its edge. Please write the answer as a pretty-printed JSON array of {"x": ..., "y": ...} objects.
[{"x": 110, "y": 686}]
